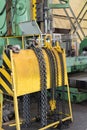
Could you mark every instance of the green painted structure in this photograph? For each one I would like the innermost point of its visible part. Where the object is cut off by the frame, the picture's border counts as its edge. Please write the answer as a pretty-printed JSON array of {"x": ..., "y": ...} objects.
[
  {"x": 3, "y": 26},
  {"x": 21, "y": 12},
  {"x": 83, "y": 45},
  {"x": 75, "y": 95},
  {"x": 59, "y": 6},
  {"x": 76, "y": 64}
]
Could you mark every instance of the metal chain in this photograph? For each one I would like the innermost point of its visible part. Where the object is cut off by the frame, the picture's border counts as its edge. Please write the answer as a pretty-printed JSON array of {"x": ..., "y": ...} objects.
[
  {"x": 53, "y": 77},
  {"x": 26, "y": 111},
  {"x": 63, "y": 85},
  {"x": 52, "y": 71},
  {"x": 56, "y": 116},
  {"x": 43, "y": 84},
  {"x": 56, "y": 67}
]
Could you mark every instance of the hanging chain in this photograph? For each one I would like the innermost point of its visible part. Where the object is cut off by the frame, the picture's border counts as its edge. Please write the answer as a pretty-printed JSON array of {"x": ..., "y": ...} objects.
[
  {"x": 26, "y": 110},
  {"x": 63, "y": 84},
  {"x": 53, "y": 79},
  {"x": 43, "y": 84}
]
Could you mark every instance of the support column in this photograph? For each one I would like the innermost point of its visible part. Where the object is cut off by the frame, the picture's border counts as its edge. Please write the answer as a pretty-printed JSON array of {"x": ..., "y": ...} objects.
[{"x": 1, "y": 111}]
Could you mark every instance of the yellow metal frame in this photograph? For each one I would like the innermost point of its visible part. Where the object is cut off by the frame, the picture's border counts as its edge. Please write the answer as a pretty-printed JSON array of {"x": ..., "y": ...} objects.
[
  {"x": 15, "y": 82},
  {"x": 68, "y": 90},
  {"x": 1, "y": 109},
  {"x": 55, "y": 123},
  {"x": 15, "y": 95},
  {"x": 69, "y": 116}
]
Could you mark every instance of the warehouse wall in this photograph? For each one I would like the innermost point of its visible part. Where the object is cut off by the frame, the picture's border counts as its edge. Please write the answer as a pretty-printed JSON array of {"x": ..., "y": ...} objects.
[{"x": 60, "y": 20}]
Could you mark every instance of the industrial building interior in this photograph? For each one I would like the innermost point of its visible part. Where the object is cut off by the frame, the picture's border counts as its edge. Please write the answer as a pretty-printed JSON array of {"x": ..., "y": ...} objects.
[{"x": 43, "y": 65}]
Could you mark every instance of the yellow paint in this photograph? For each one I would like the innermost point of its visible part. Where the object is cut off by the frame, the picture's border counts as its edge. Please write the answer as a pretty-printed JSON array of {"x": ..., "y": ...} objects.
[
  {"x": 1, "y": 110},
  {"x": 34, "y": 10},
  {"x": 15, "y": 95},
  {"x": 59, "y": 68},
  {"x": 52, "y": 104},
  {"x": 27, "y": 71},
  {"x": 26, "y": 78},
  {"x": 65, "y": 70},
  {"x": 7, "y": 60},
  {"x": 6, "y": 87},
  {"x": 68, "y": 89},
  {"x": 8, "y": 77},
  {"x": 55, "y": 123},
  {"x": 11, "y": 125}
]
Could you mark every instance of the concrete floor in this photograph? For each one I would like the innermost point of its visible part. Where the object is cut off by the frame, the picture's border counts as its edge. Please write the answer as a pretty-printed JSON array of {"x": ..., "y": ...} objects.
[{"x": 79, "y": 118}]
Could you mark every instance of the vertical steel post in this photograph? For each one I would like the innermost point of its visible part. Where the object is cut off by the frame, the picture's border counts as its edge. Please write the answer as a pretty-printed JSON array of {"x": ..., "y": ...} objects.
[
  {"x": 50, "y": 21},
  {"x": 15, "y": 95},
  {"x": 46, "y": 16},
  {"x": 1, "y": 110}
]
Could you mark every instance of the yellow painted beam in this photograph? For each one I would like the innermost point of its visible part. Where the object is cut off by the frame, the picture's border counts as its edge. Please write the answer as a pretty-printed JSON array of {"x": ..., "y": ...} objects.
[
  {"x": 34, "y": 10},
  {"x": 1, "y": 110},
  {"x": 15, "y": 96},
  {"x": 55, "y": 123}
]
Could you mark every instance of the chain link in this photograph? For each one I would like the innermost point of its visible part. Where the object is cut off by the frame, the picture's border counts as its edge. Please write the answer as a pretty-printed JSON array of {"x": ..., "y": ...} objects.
[
  {"x": 52, "y": 71},
  {"x": 43, "y": 84},
  {"x": 63, "y": 84},
  {"x": 26, "y": 111}
]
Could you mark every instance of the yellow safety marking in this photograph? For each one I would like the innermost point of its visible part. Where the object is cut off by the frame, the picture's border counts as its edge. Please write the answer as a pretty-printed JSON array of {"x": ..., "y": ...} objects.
[
  {"x": 6, "y": 59},
  {"x": 9, "y": 91},
  {"x": 7, "y": 76}
]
